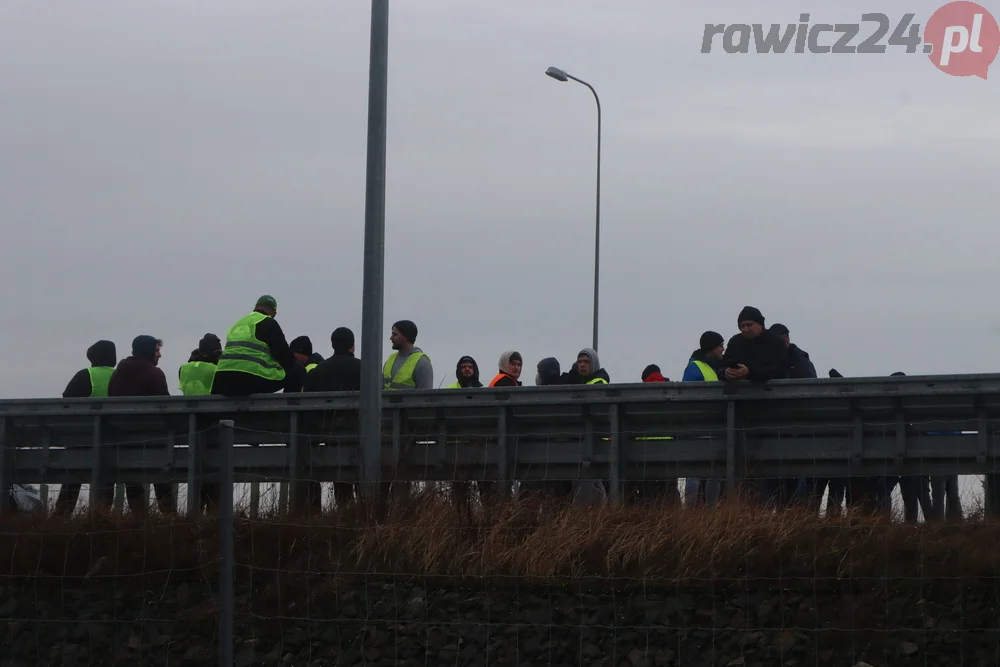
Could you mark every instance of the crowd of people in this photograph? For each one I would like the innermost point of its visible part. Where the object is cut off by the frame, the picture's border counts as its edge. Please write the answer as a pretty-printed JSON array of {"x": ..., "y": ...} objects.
[{"x": 256, "y": 358}]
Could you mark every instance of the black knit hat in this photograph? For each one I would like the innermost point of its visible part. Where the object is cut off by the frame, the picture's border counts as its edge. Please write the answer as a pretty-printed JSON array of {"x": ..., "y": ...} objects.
[
  {"x": 209, "y": 343},
  {"x": 710, "y": 340},
  {"x": 407, "y": 328},
  {"x": 750, "y": 313},
  {"x": 302, "y": 345},
  {"x": 342, "y": 340},
  {"x": 779, "y": 329},
  {"x": 649, "y": 370}
]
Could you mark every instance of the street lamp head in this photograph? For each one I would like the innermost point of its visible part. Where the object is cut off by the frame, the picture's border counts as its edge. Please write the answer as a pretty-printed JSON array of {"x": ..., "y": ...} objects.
[{"x": 557, "y": 74}]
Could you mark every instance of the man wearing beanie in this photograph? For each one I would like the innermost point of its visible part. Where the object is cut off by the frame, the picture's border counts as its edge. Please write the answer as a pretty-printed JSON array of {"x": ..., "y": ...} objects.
[
  {"x": 754, "y": 354},
  {"x": 407, "y": 367},
  {"x": 705, "y": 364},
  {"x": 197, "y": 375},
  {"x": 466, "y": 374},
  {"x": 799, "y": 364},
  {"x": 342, "y": 371},
  {"x": 256, "y": 358}
]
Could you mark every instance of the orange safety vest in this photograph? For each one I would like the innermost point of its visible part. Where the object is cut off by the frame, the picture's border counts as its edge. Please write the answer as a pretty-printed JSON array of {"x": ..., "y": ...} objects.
[{"x": 501, "y": 376}]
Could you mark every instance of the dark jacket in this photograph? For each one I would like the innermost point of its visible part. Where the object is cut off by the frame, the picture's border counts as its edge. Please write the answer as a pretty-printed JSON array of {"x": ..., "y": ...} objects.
[
  {"x": 101, "y": 353},
  {"x": 800, "y": 366},
  {"x": 138, "y": 375},
  {"x": 269, "y": 332},
  {"x": 548, "y": 372},
  {"x": 574, "y": 377},
  {"x": 341, "y": 372},
  {"x": 765, "y": 356}
]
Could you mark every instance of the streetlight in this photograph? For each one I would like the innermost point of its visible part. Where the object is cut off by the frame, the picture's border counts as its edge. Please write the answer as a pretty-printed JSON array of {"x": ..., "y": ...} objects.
[{"x": 560, "y": 75}]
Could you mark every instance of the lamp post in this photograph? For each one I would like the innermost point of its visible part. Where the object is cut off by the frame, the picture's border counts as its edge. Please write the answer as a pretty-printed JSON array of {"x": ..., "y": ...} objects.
[{"x": 560, "y": 75}]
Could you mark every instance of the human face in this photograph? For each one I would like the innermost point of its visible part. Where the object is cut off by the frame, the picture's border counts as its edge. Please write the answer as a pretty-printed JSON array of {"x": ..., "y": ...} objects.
[
  {"x": 583, "y": 364},
  {"x": 515, "y": 369},
  {"x": 751, "y": 329},
  {"x": 717, "y": 353},
  {"x": 468, "y": 370},
  {"x": 397, "y": 339},
  {"x": 156, "y": 354}
]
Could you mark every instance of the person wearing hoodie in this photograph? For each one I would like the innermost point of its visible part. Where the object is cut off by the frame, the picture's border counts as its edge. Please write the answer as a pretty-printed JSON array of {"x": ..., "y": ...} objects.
[
  {"x": 342, "y": 371},
  {"x": 587, "y": 369},
  {"x": 196, "y": 376},
  {"x": 466, "y": 374},
  {"x": 139, "y": 375},
  {"x": 256, "y": 358},
  {"x": 510, "y": 370},
  {"x": 754, "y": 354},
  {"x": 705, "y": 363},
  {"x": 548, "y": 372},
  {"x": 89, "y": 382},
  {"x": 799, "y": 364}
]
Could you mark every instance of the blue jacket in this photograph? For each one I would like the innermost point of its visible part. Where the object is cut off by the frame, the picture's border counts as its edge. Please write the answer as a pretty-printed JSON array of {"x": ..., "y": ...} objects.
[{"x": 693, "y": 374}]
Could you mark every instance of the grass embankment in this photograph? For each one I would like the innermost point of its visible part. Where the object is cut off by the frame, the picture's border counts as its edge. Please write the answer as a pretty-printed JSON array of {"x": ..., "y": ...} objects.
[{"x": 532, "y": 542}]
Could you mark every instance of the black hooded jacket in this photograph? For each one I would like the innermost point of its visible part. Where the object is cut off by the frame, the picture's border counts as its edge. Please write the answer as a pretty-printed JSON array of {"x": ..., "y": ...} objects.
[
  {"x": 765, "y": 356},
  {"x": 101, "y": 353},
  {"x": 800, "y": 366},
  {"x": 138, "y": 375},
  {"x": 464, "y": 382},
  {"x": 341, "y": 372}
]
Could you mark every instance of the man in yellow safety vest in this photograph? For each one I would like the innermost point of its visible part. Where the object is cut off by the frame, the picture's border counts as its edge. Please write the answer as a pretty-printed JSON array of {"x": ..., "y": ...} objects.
[
  {"x": 256, "y": 358},
  {"x": 704, "y": 365},
  {"x": 408, "y": 367}
]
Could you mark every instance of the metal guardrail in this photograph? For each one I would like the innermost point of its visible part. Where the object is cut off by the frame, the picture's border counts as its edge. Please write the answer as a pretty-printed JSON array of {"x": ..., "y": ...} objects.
[{"x": 830, "y": 427}]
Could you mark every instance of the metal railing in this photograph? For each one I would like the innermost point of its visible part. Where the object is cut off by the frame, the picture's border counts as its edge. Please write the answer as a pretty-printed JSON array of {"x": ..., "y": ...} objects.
[{"x": 942, "y": 425}]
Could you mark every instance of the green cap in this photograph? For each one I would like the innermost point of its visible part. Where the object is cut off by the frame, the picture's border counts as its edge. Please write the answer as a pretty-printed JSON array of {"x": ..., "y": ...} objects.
[{"x": 267, "y": 301}]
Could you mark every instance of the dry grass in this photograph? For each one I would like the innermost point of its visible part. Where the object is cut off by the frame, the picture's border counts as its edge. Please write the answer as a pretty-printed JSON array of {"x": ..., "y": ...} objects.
[{"x": 530, "y": 541}]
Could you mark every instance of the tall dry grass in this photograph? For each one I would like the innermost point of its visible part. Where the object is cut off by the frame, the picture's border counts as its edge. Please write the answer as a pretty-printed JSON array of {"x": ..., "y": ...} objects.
[{"x": 531, "y": 541}]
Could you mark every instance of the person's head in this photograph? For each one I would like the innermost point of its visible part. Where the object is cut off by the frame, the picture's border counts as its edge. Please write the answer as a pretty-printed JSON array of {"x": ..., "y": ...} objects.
[
  {"x": 712, "y": 345},
  {"x": 898, "y": 374},
  {"x": 210, "y": 346},
  {"x": 547, "y": 371},
  {"x": 510, "y": 363},
  {"x": 147, "y": 347},
  {"x": 342, "y": 340},
  {"x": 751, "y": 322},
  {"x": 267, "y": 305},
  {"x": 652, "y": 373},
  {"x": 781, "y": 331},
  {"x": 302, "y": 349},
  {"x": 587, "y": 362},
  {"x": 466, "y": 368},
  {"x": 403, "y": 335},
  {"x": 102, "y": 353}
]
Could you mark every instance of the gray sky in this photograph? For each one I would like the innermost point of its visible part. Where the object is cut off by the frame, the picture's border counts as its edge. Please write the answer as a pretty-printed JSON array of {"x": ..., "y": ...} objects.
[{"x": 164, "y": 163}]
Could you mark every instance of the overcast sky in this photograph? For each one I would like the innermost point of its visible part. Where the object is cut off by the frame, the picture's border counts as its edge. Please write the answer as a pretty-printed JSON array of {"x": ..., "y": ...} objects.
[{"x": 166, "y": 162}]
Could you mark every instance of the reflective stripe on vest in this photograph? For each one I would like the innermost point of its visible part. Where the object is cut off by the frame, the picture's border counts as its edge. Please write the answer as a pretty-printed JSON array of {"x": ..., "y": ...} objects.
[
  {"x": 404, "y": 376},
  {"x": 244, "y": 353},
  {"x": 197, "y": 378},
  {"x": 100, "y": 376},
  {"x": 309, "y": 367},
  {"x": 597, "y": 381},
  {"x": 501, "y": 376},
  {"x": 706, "y": 371}
]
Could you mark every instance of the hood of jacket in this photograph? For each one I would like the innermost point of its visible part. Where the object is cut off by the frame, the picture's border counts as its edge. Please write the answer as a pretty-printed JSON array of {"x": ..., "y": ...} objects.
[
  {"x": 102, "y": 353},
  {"x": 547, "y": 371},
  {"x": 144, "y": 347},
  {"x": 464, "y": 381}
]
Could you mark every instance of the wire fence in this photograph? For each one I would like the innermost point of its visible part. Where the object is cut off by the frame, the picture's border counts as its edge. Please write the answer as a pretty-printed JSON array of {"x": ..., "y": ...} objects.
[{"x": 539, "y": 570}]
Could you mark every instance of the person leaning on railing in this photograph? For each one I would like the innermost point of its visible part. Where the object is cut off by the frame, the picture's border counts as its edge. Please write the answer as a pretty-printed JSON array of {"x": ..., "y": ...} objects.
[
  {"x": 256, "y": 358},
  {"x": 88, "y": 383},
  {"x": 196, "y": 378},
  {"x": 704, "y": 365}
]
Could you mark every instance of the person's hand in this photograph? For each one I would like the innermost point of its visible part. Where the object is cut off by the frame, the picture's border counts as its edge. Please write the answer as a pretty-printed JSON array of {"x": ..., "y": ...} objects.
[{"x": 738, "y": 373}]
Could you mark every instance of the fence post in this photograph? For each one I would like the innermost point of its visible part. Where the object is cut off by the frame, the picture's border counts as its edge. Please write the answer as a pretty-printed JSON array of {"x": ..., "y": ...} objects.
[
  {"x": 226, "y": 440},
  {"x": 614, "y": 455},
  {"x": 732, "y": 464}
]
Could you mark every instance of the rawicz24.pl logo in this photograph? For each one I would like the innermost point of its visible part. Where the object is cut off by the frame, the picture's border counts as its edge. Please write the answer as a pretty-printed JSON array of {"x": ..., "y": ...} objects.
[{"x": 960, "y": 38}]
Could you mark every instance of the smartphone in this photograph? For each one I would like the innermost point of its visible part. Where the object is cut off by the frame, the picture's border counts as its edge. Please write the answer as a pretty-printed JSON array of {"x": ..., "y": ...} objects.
[{"x": 734, "y": 364}]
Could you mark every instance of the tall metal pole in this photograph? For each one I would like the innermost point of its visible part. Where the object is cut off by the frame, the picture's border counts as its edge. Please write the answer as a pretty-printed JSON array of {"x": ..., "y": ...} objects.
[
  {"x": 374, "y": 268},
  {"x": 558, "y": 74}
]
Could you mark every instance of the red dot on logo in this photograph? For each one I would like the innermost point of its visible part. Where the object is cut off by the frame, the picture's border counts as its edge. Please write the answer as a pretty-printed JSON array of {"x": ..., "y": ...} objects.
[{"x": 964, "y": 37}]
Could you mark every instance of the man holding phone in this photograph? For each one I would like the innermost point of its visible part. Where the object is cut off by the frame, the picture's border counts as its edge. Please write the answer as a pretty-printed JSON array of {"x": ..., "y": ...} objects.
[{"x": 754, "y": 354}]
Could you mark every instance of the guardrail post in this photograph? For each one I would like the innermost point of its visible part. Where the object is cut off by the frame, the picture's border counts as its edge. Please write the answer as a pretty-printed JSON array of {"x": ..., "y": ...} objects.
[
  {"x": 614, "y": 454},
  {"x": 226, "y": 441},
  {"x": 298, "y": 452},
  {"x": 734, "y": 477},
  {"x": 98, "y": 473},
  {"x": 194, "y": 467},
  {"x": 6, "y": 467},
  {"x": 504, "y": 481}
]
